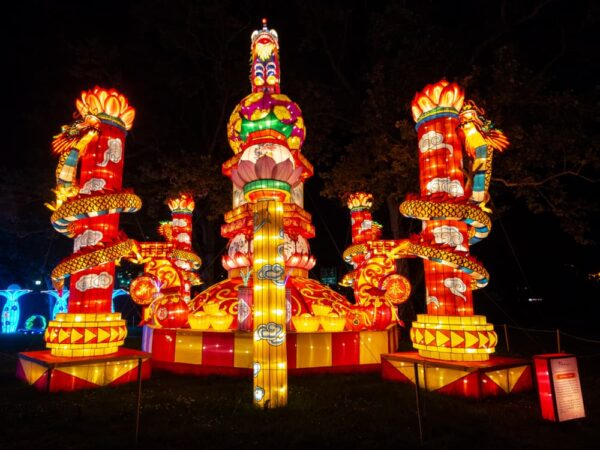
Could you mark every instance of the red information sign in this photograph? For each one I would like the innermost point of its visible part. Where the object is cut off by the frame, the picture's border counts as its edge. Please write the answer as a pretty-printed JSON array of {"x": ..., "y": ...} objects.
[{"x": 559, "y": 387}]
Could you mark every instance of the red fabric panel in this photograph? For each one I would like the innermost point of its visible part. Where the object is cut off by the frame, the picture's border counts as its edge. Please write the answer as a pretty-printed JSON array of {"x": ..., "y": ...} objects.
[
  {"x": 542, "y": 375},
  {"x": 217, "y": 349},
  {"x": 163, "y": 344},
  {"x": 20, "y": 373},
  {"x": 61, "y": 381},
  {"x": 131, "y": 376},
  {"x": 42, "y": 382},
  {"x": 292, "y": 344},
  {"x": 489, "y": 388},
  {"x": 390, "y": 373},
  {"x": 345, "y": 349},
  {"x": 467, "y": 386},
  {"x": 194, "y": 369},
  {"x": 525, "y": 382}
]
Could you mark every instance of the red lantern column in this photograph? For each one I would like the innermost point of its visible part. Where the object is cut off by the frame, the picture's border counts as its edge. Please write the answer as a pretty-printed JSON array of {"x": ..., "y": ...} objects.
[
  {"x": 89, "y": 213},
  {"x": 440, "y": 162},
  {"x": 101, "y": 173},
  {"x": 181, "y": 214},
  {"x": 360, "y": 204},
  {"x": 449, "y": 330}
]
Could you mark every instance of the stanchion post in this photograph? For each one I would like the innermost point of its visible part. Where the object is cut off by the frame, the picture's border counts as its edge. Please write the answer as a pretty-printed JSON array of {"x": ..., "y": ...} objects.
[
  {"x": 418, "y": 400},
  {"x": 558, "y": 340},
  {"x": 139, "y": 401},
  {"x": 506, "y": 338}
]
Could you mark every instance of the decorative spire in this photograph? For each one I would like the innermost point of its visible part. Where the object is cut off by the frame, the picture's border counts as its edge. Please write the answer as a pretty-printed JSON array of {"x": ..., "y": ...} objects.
[{"x": 264, "y": 72}]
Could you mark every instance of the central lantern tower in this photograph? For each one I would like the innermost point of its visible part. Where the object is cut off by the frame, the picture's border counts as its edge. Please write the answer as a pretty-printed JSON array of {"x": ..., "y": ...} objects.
[{"x": 268, "y": 257}]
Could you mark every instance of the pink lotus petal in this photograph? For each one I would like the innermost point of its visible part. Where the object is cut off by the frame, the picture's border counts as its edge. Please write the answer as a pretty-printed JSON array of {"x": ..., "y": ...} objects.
[
  {"x": 294, "y": 178},
  {"x": 237, "y": 180},
  {"x": 264, "y": 167},
  {"x": 246, "y": 171},
  {"x": 283, "y": 170}
]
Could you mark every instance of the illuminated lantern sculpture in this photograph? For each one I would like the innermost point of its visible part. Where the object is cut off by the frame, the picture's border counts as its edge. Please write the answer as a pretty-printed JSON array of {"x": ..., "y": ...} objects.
[
  {"x": 11, "y": 313},
  {"x": 377, "y": 286},
  {"x": 60, "y": 302},
  {"x": 183, "y": 256},
  {"x": 268, "y": 256},
  {"x": 454, "y": 217},
  {"x": 169, "y": 268},
  {"x": 266, "y": 132},
  {"x": 270, "y": 125},
  {"x": 268, "y": 316},
  {"x": 87, "y": 209}
]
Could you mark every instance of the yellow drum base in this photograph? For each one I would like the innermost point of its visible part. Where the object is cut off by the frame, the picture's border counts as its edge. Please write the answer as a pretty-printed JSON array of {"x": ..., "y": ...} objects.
[
  {"x": 453, "y": 338},
  {"x": 76, "y": 335}
]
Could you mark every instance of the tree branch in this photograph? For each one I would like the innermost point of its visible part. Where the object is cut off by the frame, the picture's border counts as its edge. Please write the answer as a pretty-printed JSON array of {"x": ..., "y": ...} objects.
[{"x": 545, "y": 180}]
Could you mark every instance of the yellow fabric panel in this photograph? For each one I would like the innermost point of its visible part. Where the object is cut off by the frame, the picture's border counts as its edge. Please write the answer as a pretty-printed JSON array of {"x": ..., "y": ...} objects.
[
  {"x": 514, "y": 375},
  {"x": 100, "y": 374},
  {"x": 242, "y": 350},
  {"x": 372, "y": 345},
  {"x": 438, "y": 377},
  {"x": 313, "y": 350},
  {"x": 500, "y": 377},
  {"x": 32, "y": 371},
  {"x": 188, "y": 348}
]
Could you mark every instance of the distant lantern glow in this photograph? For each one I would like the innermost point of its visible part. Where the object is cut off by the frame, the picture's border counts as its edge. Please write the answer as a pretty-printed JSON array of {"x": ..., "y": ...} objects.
[
  {"x": 11, "y": 312},
  {"x": 60, "y": 302}
]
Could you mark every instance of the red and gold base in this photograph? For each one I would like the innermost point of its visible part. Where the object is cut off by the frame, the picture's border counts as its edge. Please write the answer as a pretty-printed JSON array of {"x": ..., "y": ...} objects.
[
  {"x": 453, "y": 338},
  {"x": 47, "y": 372},
  {"x": 77, "y": 335},
  {"x": 473, "y": 379},
  {"x": 230, "y": 352}
]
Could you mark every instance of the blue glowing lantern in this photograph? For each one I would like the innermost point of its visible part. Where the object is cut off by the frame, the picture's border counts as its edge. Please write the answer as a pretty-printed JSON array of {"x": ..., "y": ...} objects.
[
  {"x": 60, "y": 303},
  {"x": 11, "y": 311},
  {"x": 116, "y": 293}
]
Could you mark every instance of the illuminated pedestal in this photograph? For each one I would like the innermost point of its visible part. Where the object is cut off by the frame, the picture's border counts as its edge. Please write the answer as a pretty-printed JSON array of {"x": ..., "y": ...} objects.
[
  {"x": 47, "y": 372},
  {"x": 473, "y": 379},
  {"x": 230, "y": 352}
]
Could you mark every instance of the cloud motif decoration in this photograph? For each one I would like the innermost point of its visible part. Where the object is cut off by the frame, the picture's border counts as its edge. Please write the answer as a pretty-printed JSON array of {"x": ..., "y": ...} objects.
[
  {"x": 273, "y": 272},
  {"x": 259, "y": 393},
  {"x": 446, "y": 234},
  {"x": 271, "y": 332},
  {"x": 113, "y": 153},
  {"x": 93, "y": 184},
  {"x": 434, "y": 300},
  {"x": 452, "y": 187},
  {"x": 87, "y": 238},
  {"x": 94, "y": 281},
  {"x": 432, "y": 140},
  {"x": 255, "y": 369},
  {"x": 179, "y": 222},
  {"x": 456, "y": 286},
  {"x": 184, "y": 238}
]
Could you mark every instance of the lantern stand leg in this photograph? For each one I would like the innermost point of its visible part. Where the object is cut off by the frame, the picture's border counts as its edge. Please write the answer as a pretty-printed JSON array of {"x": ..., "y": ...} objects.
[
  {"x": 418, "y": 401},
  {"x": 49, "y": 379},
  {"x": 139, "y": 401},
  {"x": 506, "y": 338}
]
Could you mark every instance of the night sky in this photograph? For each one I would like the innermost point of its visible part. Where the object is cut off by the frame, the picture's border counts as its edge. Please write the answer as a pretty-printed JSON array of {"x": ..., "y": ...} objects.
[{"x": 184, "y": 66}]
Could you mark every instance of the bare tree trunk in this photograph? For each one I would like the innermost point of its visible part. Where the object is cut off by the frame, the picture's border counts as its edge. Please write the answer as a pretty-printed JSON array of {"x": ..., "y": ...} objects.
[{"x": 394, "y": 215}]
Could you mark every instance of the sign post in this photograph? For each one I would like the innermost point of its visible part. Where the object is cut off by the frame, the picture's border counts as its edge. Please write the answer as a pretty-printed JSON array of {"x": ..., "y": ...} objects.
[{"x": 559, "y": 388}]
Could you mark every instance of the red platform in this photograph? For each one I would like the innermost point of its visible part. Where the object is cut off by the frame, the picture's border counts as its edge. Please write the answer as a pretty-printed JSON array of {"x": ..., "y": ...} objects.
[
  {"x": 196, "y": 352},
  {"x": 473, "y": 379},
  {"x": 51, "y": 373}
]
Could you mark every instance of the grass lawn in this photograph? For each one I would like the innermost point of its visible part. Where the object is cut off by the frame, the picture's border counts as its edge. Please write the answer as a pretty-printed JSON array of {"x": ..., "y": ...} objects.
[{"x": 333, "y": 411}]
